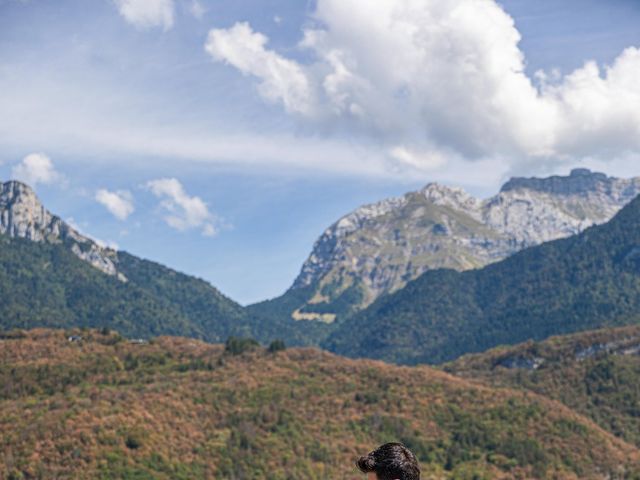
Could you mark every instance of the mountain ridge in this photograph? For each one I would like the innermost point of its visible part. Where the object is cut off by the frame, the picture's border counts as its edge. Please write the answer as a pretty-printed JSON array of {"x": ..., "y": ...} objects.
[
  {"x": 590, "y": 280},
  {"x": 60, "y": 278},
  {"x": 378, "y": 248},
  {"x": 22, "y": 215}
]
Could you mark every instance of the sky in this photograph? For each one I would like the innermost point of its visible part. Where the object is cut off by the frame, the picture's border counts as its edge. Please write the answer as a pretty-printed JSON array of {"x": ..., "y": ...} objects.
[{"x": 221, "y": 138}]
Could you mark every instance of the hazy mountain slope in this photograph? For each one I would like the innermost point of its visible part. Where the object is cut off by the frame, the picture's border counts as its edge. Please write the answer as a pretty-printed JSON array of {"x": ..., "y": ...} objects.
[
  {"x": 378, "y": 248},
  {"x": 596, "y": 373},
  {"x": 180, "y": 409},
  {"x": 587, "y": 281}
]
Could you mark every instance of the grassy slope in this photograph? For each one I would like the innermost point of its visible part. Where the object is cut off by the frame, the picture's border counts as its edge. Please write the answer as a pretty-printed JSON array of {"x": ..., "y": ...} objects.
[
  {"x": 182, "y": 409},
  {"x": 273, "y": 320},
  {"x": 588, "y": 281},
  {"x": 588, "y": 372}
]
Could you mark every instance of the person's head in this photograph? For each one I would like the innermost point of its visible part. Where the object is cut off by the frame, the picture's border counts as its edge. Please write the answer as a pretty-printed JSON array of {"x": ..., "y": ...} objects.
[{"x": 391, "y": 461}]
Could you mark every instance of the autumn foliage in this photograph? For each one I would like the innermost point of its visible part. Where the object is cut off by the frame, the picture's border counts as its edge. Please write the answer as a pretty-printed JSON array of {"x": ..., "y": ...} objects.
[{"x": 103, "y": 407}]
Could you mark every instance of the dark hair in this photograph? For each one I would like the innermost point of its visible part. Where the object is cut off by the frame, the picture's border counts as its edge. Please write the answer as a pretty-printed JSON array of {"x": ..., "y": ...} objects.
[{"x": 391, "y": 461}]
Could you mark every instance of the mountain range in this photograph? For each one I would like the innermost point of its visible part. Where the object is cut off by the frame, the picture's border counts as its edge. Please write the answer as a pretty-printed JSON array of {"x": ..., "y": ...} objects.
[
  {"x": 60, "y": 278},
  {"x": 378, "y": 248},
  {"x": 587, "y": 281},
  {"x": 86, "y": 402}
]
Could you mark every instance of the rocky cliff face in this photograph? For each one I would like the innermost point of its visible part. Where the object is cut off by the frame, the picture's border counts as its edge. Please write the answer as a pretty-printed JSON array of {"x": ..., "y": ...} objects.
[
  {"x": 23, "y": 216},
  {"x": 378, "y": 248}
]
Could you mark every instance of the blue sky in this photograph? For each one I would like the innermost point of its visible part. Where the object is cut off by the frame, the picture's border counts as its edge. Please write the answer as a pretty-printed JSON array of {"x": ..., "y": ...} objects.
[{"x": 269, "y": 140}]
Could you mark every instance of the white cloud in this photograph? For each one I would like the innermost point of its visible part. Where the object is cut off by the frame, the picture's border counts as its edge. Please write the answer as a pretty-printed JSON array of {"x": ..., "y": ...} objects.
[
  {"x": 147, "y": 13},
  {"x": 422, "y": 160},
  {"x": 440, "y": 75},
  {"x": 599, "y": 108},
  {"x": 36, "y": 168},
  {"x": 281, "y": 79},
  {"x": 119, "y": 203},
  {"x": 184, "y": 212}
]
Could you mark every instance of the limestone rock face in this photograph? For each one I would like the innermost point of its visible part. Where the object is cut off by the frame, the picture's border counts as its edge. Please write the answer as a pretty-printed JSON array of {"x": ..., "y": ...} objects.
[
  {"x": 378, "y": 248},
  {"x": 22, "y": 215}
]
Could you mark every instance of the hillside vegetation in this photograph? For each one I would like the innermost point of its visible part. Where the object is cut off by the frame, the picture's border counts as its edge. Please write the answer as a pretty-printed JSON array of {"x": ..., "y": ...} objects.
[
  {"x": 51, "y": 287},
  {"x": 588, "y": 281},
  {"x": 595, "y": 373},
  {"x": 103, "y": 408}
]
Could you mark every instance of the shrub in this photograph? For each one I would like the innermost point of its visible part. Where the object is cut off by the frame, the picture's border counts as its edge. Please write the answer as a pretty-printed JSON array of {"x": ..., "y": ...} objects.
[
  {"x": 277, "y": 346},
  {"x": 133, "y": 441},
  {"x": 239, "y": 345}
]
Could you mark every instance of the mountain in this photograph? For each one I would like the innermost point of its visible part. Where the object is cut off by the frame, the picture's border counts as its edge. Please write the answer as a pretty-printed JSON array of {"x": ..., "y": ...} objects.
[
  {"x": 378, "y": 248},
  {"x": 588, "y": 281},
  {"x": 100, "y": 407},
  {"x": 53, "y": 276},
  {"x": 596, "y": 373},
  {"x": 22, "y": 215}
]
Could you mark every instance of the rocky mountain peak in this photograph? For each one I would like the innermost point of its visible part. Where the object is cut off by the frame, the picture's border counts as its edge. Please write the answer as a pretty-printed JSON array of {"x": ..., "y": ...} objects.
[
  {"x": 454, "y": 197},
  {"x": 15, "y": 188},
  {"x": 434, "y": 191},
  {"x": 22, "y": 215},
  {"x": 366, "y": 213},
  {"x": 378, "y": 248},
  {"x": 579, "y": 181}
]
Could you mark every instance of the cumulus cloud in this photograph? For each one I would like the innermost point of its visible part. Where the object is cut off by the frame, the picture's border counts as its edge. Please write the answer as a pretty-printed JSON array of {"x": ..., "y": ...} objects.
[
  {"x": 183, "y": 211},
  {"x": 422, "y": 160},
  {"x": 36, "y": 168},
  {"x": 440, "y": 76},
  {"x": 147, "y": 13},
  {"x": 280, "y": 79},
  {"x": 119, "y": 203}
]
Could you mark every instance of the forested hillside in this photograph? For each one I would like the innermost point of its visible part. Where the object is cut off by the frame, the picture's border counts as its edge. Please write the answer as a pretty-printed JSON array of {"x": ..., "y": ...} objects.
[
  {"x": 596, "y": 373},
  {"x": 587, "y": 281},
  {"x": 47, "y": 285},
  {"x": 100, "y": 407}
]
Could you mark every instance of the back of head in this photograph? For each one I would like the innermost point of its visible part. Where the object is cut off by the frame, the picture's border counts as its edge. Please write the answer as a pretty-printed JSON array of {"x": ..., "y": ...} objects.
[{"x": 391, "y": 461}]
